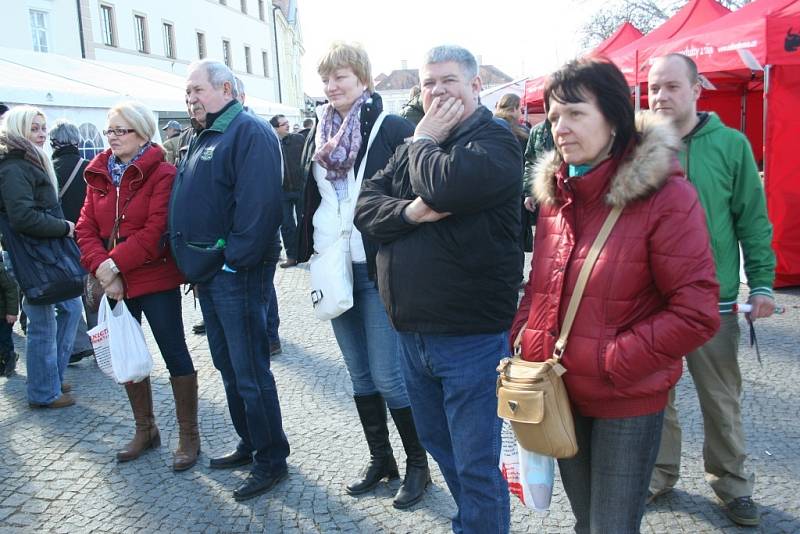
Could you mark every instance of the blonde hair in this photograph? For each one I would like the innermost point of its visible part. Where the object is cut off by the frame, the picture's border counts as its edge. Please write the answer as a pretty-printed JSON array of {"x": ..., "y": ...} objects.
[
  {"x": 17, "y": 122},
  {"x": 343, "y": 55},
  {"x": 138, "y": 116}
]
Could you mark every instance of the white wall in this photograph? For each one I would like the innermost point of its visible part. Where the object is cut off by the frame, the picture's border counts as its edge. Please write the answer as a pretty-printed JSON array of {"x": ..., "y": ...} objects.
[{"x": 62, "y": 25}]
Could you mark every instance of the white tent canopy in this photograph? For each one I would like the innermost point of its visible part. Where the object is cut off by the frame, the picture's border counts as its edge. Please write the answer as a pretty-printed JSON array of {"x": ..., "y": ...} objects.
[
  {"x": 28, "y": 77},
  {"x": 489, "y": 97}
]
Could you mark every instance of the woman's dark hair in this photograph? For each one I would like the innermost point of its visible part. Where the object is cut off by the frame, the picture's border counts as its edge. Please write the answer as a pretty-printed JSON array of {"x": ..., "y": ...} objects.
[{"x": 599, "y": 77}]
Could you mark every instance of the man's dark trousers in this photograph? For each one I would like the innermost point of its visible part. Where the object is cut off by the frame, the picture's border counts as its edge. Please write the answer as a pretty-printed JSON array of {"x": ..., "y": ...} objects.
[
  {"x": 292, "y": 207},
  {"x": 235, "y": 308}
]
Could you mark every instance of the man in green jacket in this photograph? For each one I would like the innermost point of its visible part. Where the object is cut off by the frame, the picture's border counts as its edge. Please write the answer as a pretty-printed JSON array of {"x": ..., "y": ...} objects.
[{"x": 719, "y": 162}]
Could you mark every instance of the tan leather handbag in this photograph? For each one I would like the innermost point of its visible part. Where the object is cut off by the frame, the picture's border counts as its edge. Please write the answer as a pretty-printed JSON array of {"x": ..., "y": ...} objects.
[{"x": 532, "y": 395}]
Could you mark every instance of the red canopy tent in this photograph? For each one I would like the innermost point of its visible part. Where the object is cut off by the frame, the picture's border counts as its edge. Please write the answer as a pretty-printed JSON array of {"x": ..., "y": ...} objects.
[
  {"x": 534, "y": 88},
  {"x": 753, "y": 57}
]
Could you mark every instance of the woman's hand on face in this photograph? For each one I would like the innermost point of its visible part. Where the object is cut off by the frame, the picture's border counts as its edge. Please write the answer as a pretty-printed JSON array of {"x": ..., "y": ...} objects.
[
  {"x": 104, "y": 273},
  {"x": 440, "y": 120},
  {"x": 115, "y": 290}
]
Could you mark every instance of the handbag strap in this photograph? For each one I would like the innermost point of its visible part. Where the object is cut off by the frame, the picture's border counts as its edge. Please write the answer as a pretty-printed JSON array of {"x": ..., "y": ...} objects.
[
  {"x": 72, "y": 176},
  {"x": 583, "y": 278},
  {"x": 348, "y": 221}
]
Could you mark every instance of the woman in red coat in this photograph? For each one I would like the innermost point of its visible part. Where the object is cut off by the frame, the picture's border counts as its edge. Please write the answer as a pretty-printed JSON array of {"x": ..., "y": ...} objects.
[
  {"x": 121, "y": 236},
  {"x": 651, "y": 297}
]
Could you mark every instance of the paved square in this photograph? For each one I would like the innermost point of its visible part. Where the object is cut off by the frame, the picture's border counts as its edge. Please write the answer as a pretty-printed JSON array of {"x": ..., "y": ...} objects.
[{"x": 58, "y": 472}]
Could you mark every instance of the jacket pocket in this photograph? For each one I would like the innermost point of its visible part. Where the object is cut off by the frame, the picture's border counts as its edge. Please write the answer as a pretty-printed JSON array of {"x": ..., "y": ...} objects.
[{"x": 198, "y": 262}]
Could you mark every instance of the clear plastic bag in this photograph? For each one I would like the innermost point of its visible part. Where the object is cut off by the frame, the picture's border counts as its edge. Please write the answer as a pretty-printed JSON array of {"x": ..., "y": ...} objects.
[
  {"x": 529, "y": 475},
  {"x": 118, "y": 341}
]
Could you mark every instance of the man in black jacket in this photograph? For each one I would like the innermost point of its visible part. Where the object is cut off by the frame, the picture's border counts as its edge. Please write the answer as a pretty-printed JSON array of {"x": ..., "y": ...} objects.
[
  {"x": 292, "y": 147},
  {"x": 445, "y": 211}
]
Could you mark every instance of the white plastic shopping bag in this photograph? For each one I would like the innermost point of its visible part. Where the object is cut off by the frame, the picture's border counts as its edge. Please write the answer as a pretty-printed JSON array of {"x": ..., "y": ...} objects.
[
  {"x": 119, "y": 346},
  {"x": 529, "y": 475}
]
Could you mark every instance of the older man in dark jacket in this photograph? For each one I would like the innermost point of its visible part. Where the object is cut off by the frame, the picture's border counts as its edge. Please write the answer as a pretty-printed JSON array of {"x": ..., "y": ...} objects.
[
  {"x": 445, "y": 211},
  {"x": 223, "y": 224}
]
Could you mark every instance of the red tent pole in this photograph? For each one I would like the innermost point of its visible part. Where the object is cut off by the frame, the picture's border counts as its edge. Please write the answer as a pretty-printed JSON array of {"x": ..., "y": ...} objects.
[{"x": 765, "y": 152}]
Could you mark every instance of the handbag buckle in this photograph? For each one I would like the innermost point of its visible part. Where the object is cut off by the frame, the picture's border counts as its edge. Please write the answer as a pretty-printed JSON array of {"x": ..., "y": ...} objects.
[
  {"x": 316, "y": 297},
  {"x": 513, "y": 405}
]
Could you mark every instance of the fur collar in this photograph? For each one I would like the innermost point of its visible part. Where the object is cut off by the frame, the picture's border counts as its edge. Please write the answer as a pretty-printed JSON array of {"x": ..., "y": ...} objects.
[{"x": 644, "y": 172}]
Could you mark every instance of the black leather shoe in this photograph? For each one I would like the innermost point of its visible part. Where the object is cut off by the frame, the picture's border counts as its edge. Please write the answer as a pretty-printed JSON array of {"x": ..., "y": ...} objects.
[
  {"x": 78, "y": 356},
  {"x": 229, "y": 461},
  {"x": 258, "y": 484}
]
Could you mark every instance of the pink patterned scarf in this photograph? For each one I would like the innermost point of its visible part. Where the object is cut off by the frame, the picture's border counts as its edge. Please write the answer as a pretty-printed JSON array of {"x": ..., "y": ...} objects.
[{"x": 338, "y": 141}]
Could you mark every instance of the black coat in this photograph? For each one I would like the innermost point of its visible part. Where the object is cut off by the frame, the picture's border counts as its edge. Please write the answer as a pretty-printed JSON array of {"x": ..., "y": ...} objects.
[
  {"x": 393, "y": 132},
  {"x": 460, "y": 275},
  {"x": 292, "y": 147},
  {"x": 29, "y": 199},
  {"x": 64, "y": 161}
]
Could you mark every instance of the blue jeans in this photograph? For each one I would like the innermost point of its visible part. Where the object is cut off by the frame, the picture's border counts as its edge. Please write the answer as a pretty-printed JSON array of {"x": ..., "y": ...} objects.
[
  {"x": 273, "y": 320},
  {"x": 369, "y": 344},
  {"x": 51, "y": 331},
  {"x": 606, "y": 482},
  {"x": 451, "y": 382},
  {"x": 292, "y": 207},
  {"x": 163, "y": 312},
  {"x": 234, "y": 309}
]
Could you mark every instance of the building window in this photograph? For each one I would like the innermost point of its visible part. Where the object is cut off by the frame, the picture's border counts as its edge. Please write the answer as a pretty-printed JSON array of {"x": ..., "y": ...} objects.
[
  {"x": 244, "y": 6},
  {"x": 169, "y": 39},
  {"x": 140, "y": 30},
  {"x": 201, "y": 45},
  {"x": 248, "y": 64},
  {"x": 265, "y": 63},
  {"x": 261, "y": 9},
  {"x": 226, "y": 53},
  {"x": 39, "y": 30},
  {"x": 107, "y": 22}
]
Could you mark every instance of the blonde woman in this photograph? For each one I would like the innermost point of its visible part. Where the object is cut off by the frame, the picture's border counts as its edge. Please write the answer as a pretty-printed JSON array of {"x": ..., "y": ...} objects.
[
  {"x": 29, "y": 198},
  {"x": 335, "y": 150},
  {"x": 120, "y": 234}
]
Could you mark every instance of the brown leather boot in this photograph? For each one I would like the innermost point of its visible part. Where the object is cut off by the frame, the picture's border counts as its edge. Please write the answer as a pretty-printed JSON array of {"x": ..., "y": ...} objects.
[
  {"x": 147, "y": 436},
  {"x": 184, "y": 388}
]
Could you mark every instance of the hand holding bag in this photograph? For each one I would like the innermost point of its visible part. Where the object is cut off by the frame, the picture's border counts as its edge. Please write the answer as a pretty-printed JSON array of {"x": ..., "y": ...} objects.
[
  {"x": 532, "y": 395},
  {"x": 332, "y": 269},
  {"x": 120, "y": 348}
]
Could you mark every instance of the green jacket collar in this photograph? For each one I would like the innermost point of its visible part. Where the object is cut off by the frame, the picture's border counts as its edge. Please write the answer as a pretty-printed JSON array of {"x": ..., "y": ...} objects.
[{"x": 222, "y": 121}]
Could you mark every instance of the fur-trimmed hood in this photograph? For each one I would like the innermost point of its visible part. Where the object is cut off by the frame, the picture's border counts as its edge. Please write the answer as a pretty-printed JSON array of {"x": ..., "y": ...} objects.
[{"x": 642, "y": 173}]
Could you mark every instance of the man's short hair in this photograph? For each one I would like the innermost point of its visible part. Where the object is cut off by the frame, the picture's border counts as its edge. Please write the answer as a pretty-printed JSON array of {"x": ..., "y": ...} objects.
[
  {"x": 238, "y": 87},
  {"x": 456, "y": 54},
  {"x": 275, "y": 120},
  {"x": 308, "y": 123},
  {"x": 218, "y": 73},
  {"x": 65, "y": 133},
  {"x": 691, "y": 66},
  {"x": 342, "y": 55}
]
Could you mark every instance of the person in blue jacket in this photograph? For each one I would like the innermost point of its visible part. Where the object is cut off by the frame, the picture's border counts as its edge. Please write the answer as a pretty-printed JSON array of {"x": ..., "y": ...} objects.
[{"x": 224, "y": 215}]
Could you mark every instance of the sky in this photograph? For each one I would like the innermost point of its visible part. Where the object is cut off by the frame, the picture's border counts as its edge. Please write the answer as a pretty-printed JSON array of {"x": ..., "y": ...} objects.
[{"x": 520, "y": 37}]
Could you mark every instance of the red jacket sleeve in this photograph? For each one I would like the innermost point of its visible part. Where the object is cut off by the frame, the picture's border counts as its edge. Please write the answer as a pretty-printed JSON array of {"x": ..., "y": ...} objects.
[
  {"x": 144, "y": 244},
  {"x": 682, "y": 267},
  {"x": 87, "y": 231}
]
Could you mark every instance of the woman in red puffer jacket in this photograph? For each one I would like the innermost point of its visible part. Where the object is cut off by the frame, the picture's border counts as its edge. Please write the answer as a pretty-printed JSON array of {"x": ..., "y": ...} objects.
[
  {"x": 651, "y": 297},
  {"x": 121, "y": 236}
]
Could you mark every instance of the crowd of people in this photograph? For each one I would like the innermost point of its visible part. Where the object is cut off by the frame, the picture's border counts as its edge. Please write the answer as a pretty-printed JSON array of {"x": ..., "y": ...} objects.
[{"x": 436, "y": 214}]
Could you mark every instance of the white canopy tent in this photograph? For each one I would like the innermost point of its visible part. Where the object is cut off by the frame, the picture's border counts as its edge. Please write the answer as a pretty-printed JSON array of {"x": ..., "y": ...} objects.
[
  {"x": 489, "y": 97},
  {"x": 82, "y": 90}
]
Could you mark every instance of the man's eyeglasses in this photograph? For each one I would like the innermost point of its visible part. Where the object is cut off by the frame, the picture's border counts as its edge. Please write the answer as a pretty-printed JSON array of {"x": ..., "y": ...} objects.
[{"x": 119, "y": 132}]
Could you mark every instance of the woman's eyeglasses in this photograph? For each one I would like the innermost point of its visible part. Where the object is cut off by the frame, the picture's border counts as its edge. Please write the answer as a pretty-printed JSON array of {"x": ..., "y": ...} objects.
[{"x": 119, "y": 132}]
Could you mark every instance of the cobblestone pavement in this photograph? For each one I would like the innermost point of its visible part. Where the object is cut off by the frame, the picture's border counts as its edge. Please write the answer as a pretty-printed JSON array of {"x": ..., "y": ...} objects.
[{"x": 58, "y": 473}]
